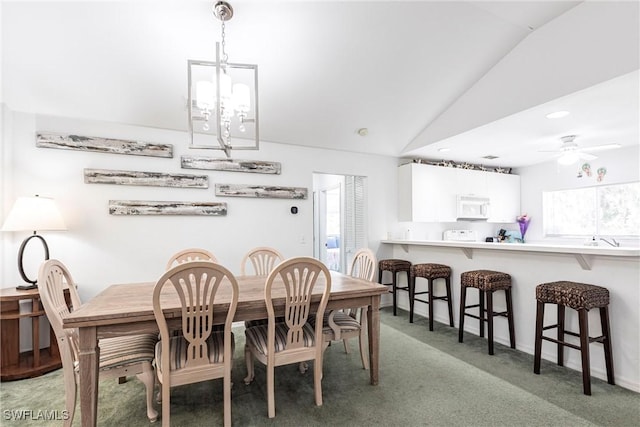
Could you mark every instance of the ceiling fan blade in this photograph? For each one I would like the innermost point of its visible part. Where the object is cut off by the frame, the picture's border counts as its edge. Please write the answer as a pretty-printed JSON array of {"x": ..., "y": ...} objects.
[
  {"x": 600, "y": 147},
  {"x": 549, "y": 151}
]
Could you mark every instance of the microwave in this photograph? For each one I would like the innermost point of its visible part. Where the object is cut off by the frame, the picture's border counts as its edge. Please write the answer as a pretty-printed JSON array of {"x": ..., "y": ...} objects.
[{"x": 472, "y": 207}]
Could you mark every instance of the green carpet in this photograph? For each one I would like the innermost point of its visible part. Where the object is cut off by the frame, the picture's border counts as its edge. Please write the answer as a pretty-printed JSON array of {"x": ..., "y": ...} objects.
[{"x": 424, "y": 380}]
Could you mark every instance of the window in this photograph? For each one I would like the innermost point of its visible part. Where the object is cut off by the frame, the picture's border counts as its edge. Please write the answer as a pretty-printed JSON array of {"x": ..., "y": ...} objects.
[{"x": 609, "y": 210}]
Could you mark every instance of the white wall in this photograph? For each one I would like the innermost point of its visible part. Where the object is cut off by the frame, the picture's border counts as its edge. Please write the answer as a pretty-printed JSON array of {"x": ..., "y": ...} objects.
[
  {"x": 101, "y": 249},
  {"x": 621, "y": 165}
]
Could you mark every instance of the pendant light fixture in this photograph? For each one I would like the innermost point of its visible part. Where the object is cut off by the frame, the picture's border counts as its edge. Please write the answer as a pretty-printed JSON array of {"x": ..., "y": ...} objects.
[{"x": 223, "y": 98}]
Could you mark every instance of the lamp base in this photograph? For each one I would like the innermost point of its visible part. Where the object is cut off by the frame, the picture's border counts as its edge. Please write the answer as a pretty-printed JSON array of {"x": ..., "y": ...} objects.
[{"x": 26, "y": 287}]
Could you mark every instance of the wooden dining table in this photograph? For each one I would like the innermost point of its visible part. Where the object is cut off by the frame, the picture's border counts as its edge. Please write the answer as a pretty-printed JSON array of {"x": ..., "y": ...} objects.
[{"x": 127, "y": 309}]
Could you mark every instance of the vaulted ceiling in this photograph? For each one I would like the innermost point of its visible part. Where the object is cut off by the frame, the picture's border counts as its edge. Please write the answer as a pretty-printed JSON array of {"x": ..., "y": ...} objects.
[{"x": 476, "y": 77}]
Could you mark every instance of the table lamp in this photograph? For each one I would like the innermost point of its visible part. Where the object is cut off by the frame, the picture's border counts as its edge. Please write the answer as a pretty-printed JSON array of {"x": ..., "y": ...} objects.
[{"x": 32, "y": 214}]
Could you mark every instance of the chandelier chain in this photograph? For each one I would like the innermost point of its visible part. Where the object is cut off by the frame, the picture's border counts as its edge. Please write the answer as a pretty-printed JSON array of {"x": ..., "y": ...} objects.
[{"x": 224, "y": 51}]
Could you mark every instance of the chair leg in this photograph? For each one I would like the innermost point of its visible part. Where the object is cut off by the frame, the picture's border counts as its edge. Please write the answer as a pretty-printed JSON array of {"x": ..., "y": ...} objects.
[
  {"x": 482, "y": 312},
  {"x": 166, "y": 405},
  {"x": 271, "y": 399},
  {"x": 449, "y": 300},
  {"x": 538, "y": 337},
  {"x": 248, "y": 358},
  {"x": 490, "y": 320},
  {"x": 560, "y": 337},
  {"x": 227, "y": 398},
  {"x": 463, "y": 298},
  {"x": 430, "y": 299},
  {"x": 70, "y": 395},
  {"x": 512, "y": 328},
  {"x": 317, "y": 380},
  {"x": 412, "y": 294},
  {"x": 148, "y": 378},
  {"x": 364, "y": 347},
  {"x": 584, "y": 350},
  {"x": 345, "y": 342},
  {"x": 608, "y": 354}
]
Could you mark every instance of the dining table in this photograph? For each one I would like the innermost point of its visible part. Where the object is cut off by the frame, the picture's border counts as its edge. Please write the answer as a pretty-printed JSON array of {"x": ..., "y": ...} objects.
[{"x": 127, "y": 309}]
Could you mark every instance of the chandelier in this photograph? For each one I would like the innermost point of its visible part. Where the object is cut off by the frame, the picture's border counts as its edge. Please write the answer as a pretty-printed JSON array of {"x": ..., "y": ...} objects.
[{"x": 223, "y": 98}]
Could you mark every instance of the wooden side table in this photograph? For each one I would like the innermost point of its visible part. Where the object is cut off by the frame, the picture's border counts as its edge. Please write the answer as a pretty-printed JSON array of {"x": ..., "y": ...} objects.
[{"x": 13, "y": 364}]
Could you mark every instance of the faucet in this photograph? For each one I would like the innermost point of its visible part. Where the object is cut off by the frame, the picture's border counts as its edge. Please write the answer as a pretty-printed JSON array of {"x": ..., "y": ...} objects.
[{"x": 613, "y": 242}]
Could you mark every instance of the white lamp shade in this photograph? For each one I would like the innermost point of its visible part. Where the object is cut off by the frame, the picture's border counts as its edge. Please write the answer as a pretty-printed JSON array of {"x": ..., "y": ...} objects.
[
  {"x": 34, "y": 214},
  {"x": 205, "y": 95},
  {"x": 241, "y": 97}
]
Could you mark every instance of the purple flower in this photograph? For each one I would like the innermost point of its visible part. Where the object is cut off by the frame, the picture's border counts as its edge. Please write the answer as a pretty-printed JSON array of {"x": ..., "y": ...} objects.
[{"x": 523, "y": 222}]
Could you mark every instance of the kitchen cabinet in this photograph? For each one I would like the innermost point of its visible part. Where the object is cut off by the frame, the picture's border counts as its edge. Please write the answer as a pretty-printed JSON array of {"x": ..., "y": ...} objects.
[
  {"x": 427, "y": 193},
  {"x": 504, "y": 194}
]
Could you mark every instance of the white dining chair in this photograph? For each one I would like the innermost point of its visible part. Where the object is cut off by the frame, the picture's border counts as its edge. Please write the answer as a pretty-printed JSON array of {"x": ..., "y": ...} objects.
[
  {"x": 200, "y": 352},
  {"x": 262, "y": 259},
  {"x": 119, "y": 356},
  {"x": 294, "y": 340}
]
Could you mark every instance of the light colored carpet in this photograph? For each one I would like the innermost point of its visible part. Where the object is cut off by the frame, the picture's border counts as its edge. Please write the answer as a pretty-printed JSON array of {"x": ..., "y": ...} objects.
[{"x": 419, "y": 385}]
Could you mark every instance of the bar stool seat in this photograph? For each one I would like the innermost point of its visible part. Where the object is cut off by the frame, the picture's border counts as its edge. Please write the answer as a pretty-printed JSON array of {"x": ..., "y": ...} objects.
[
  {"x": 430, "y": 272},
  {"x": 581, "y": 297},
  {"x": 487, "y": 282},
  {"x": 394, "y": 266}
]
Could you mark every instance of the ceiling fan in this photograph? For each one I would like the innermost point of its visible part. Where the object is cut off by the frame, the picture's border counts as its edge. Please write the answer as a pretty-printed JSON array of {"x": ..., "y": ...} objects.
[{"x": 570, "y": 152}]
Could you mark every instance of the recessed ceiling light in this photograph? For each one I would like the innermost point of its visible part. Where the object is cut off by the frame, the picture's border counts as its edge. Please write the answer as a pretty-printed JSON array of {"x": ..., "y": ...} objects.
[
  {"x": 444, "y": 149},
  {"x": 557, "y": 115}
]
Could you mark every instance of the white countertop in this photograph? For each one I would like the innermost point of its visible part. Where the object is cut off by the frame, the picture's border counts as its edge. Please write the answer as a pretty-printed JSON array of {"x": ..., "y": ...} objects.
[
  {"x": 526, "y": 247},
  {"x": 582, "y": 254}
]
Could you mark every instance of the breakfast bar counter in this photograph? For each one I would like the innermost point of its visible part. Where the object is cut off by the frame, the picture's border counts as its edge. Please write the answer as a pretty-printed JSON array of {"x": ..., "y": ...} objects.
[
  {"x": 530, "y": 264},
  {"x": 582, "y": 253}
]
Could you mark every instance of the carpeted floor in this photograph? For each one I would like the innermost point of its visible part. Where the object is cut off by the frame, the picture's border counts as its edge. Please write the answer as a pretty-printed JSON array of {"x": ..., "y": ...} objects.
[{"x": 426, "y": 378}]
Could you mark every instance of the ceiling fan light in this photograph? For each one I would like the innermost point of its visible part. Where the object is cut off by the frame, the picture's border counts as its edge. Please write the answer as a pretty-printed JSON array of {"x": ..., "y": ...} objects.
[{"x": 568, "y": 158}]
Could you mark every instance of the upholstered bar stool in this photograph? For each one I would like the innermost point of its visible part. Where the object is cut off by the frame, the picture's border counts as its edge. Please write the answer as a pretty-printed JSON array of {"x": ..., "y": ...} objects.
[
  {"x": 394, "y": 266},
  {"x": 430, "y": 272},
  {"x": 580, "y": 297},
  {"x": 487, "y": 282}
]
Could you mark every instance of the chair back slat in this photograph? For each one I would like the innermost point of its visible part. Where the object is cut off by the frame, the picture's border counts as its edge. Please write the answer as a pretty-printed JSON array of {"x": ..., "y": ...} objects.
[
  {"x": 263, "y": 260},
  {"x": 363, "y": 265},
  {"x": 189, "y": 255}
]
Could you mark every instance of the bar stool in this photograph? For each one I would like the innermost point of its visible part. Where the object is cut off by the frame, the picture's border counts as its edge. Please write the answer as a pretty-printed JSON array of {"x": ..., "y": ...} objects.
[
  {"x": 430, "y": 272},
  {"x": 394, "y": 266},
  {"x": 580, "y": 297},
  {"x": 487, "y": 282}
]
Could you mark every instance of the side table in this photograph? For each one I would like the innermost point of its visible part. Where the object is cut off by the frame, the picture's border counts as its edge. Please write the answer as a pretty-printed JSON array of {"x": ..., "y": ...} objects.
[{"x": 13, "y": 364}]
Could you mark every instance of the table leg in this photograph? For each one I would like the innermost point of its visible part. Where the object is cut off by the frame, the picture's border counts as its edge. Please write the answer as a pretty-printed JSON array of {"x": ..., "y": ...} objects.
[
  {"x": 88, "y": 389},
  {"x": 373, "y": 318}
]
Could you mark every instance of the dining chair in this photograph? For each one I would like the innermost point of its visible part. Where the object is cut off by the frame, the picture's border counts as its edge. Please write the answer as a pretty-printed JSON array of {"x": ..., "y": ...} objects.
[
  {"x": 193, "y": 254},
  {"x": 201, "y": 352},
  {"x": 294, "y": 340},
  {"x": 119, "y": 357},
  {"x": 346, "y": 324},
  {"x": 262, "y": 259}
]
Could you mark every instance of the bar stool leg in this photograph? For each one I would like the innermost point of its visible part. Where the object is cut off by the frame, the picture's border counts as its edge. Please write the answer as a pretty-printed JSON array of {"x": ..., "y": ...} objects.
[
  {"x": 430, "y": 299},
  {"x": 538, "y": 338},
  {"x": 584, "y": 350},
  {"x": 463, "y": 297},
  {"x": 560, "y": 331},
  {"x": 512, "y": 329},
  {"x": 482, "y": 313},
  {"x": 412, "y": 293},
  {"x": 395, "y": 291},
  {"x": 449, "y": 300},
  {"x": 608, "y": 355},
  {"x": 490, "y": 320}
]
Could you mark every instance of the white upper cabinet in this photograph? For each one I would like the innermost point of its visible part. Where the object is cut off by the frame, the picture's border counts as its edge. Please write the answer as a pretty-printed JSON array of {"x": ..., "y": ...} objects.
[
  {"x": 428, "y": 193},
  {"x": 504, "y": 193}
]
